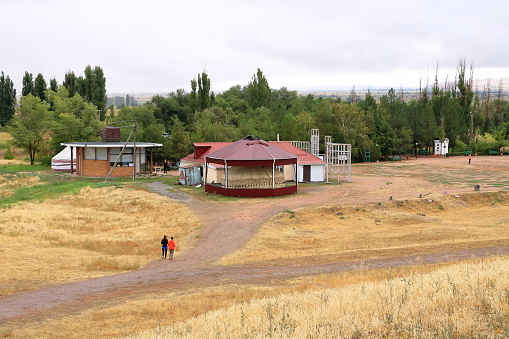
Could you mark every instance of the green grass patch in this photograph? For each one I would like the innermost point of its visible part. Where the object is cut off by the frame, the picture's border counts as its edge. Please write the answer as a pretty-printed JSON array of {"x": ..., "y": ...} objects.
[
  {"x": 42, "y": 192},
  {"x": 23, "y": 168},
  {"x": 51, "y": 187}
]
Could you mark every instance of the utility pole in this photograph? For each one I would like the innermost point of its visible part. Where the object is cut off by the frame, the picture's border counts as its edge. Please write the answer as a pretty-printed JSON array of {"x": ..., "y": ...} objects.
[
  {"x": 134, "y": 152},
  {"x": 122, "y": 151}
]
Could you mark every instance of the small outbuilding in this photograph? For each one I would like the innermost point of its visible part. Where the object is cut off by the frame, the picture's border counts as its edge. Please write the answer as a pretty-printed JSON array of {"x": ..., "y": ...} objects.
[
  {"x": 251, "y": 167},
  {"x": 116, "y": 159}
]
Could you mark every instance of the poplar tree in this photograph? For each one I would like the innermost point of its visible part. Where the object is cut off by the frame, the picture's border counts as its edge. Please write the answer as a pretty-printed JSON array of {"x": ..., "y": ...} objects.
[
  {"x": 94, "y": 89},
  {"x": 258, "y": 91},
  {"x": 7, "y": 99},
  {"x": 28, "y": 84},
  {"x": 71, "y": 83},
  {"x": 40, "y": 87},
  {"x": 204, "y": 90},
  {"x": 99, "y": 97}
]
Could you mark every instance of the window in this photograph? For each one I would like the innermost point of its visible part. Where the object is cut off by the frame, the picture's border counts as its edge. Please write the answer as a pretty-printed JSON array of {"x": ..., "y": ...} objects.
[
  {"x": 96, "y": 153},
  {"x": 90, "y": 153},
  {"x": 126, "y": 159},
  {"x": 101, "y": 153}
]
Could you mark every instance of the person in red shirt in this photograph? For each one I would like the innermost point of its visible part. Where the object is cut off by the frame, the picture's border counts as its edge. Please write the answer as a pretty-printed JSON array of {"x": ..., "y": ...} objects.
[{"x": 171, "y": 247}]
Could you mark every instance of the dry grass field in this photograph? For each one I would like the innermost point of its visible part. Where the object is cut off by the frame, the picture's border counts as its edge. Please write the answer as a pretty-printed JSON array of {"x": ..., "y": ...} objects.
[
  {"x": 468, "y": 300},
  {"x": 379, "y": 230},
  {"x": 97, "y": 232},
  {"x": 108, "y": 230}
]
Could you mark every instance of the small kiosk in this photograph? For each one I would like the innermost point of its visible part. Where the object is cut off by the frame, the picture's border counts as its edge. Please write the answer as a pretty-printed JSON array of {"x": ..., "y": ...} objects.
[{"x": 441, "y": 147}]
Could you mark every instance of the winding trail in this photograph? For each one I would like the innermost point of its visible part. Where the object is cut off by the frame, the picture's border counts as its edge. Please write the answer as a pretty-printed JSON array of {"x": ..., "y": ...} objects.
[{"x": 226, "y": 227}]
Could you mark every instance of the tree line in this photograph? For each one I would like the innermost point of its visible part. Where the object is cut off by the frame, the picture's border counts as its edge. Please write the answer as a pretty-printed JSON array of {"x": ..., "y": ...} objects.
[{"x": 470, "y": 118}]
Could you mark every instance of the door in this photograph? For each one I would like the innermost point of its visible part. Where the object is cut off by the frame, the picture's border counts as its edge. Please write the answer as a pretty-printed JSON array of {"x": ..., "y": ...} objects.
[{"x": 306, "y": 173}]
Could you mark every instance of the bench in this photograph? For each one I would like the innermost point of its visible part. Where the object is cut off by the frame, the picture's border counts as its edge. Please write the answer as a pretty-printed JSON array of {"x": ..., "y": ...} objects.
[
  {"x": 493, "y": 153},
  {"x": 396, "y": 158},
  {"x": 422, "y": 151},
  {"x": 468, "y": 153}
]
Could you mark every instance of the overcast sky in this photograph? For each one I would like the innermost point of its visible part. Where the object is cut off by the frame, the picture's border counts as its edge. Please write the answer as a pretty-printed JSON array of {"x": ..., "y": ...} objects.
[{"x": 160, "y": 45}]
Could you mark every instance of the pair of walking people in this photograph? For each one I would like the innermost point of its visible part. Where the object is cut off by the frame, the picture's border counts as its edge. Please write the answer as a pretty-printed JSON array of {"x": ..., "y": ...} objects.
[{"x": 168, "y": 245}]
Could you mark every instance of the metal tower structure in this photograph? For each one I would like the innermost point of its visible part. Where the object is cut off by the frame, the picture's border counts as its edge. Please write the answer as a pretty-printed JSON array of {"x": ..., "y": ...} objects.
[
  {"x": 315, "y": 141},
  {"x": 303, "y": 145},
  {"x": 339, "y": 161}
]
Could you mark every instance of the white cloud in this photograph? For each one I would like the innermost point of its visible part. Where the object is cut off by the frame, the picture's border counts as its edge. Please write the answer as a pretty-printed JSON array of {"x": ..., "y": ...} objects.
[{"x": 159, "y": 46}]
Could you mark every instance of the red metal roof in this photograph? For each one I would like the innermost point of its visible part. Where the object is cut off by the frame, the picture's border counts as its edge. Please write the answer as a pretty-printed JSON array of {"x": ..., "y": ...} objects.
[
  {"x": 246, "y": 149},
  {"x": 203, "y": 149},
  {"x": 305, "y": 158}
]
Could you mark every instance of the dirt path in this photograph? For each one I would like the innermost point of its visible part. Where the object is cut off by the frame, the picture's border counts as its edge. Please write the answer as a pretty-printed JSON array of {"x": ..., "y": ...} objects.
[{"x": 226, "y": 227}]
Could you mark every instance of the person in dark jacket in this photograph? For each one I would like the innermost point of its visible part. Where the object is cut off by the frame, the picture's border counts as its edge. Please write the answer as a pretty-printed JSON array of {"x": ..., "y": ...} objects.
[{"x": 164, "y": 243}]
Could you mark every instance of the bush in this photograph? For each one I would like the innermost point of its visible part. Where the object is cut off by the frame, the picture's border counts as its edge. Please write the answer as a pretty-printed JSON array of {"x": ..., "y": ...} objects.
[
  {"x": 45, "y": 161},
  {"x": 9, "y": 155}
]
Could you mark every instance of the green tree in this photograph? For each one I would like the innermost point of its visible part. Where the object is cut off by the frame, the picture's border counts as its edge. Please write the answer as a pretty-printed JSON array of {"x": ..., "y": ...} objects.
[
  {"x": 192, "y": 100},
  {"x": 204, "y": 90},
  {"x": 215, "y": 124},
  {"x": 147, "y": 127},
  {"x": 28, "y": 84},
  {"x": 350, "y": 124},
  {"x": 74, "y": 119},
  {"x": 94, "y": 89},
  {"x": 7, "y": 99},
  {"x": 71, "y": 83},
  {"x": 464, "y": 85},
  {"x": 40, "y": 87},
  {"x": 305, "y": 122},
  {"x": 258, "y": 91},
  {"x": 179, "y": 143},
  {"x": 53, "y": 85},
  {"x": 234, "y": 98},
  {"x": 289, "y": 129},
  {"x": 283, "y": 101},
  {"x": 31, "y": 125}
]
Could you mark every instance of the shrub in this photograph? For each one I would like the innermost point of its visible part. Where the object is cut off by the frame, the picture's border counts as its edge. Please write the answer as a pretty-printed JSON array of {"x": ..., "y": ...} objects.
[{"x": 9, "y": 155}]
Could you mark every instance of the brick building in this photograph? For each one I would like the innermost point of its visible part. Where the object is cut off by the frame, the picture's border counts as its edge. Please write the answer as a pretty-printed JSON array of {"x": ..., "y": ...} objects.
[{"x": 96, "y": 159}]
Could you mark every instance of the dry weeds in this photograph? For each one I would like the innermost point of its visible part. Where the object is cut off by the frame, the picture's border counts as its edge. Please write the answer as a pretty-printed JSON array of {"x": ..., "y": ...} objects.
[
  {"x": 9, "y": 182},
  {"x": 95, "y": 233},
  {"x": 378, "y": 230},
  {"x": 151, "y": 312},
  {"x": 464, "y": 300}
]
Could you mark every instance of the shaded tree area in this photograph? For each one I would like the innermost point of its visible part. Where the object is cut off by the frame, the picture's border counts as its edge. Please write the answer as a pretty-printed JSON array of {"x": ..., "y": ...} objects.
[{"x": 470, "y": 118}]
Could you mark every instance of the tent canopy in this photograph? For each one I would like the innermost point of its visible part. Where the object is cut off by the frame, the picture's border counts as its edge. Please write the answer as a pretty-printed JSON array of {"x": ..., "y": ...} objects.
[{"x": 62, "y": 161}]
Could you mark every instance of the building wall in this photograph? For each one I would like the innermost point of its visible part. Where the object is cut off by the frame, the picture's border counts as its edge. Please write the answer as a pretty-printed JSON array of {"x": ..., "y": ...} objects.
[
  {"x": 100, "y": 168},
  {"x": 317, "y": 173}
]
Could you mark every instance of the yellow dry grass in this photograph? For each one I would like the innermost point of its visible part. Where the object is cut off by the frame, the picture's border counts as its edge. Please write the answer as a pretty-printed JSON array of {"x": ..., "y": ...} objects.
[
  {"x": 135, "y": 316},
  {"x": 9, "y": 183},
  {"x": 4, "y": 136},
  {"x": 239, "y": 310},
  {"x": 150, "y": 312},
  {"x": 95, "y": 233},
  {"x": 4, "y": 162},
  {"x": 464, "y": 300},
  {"x": 379, "y": 230}
]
